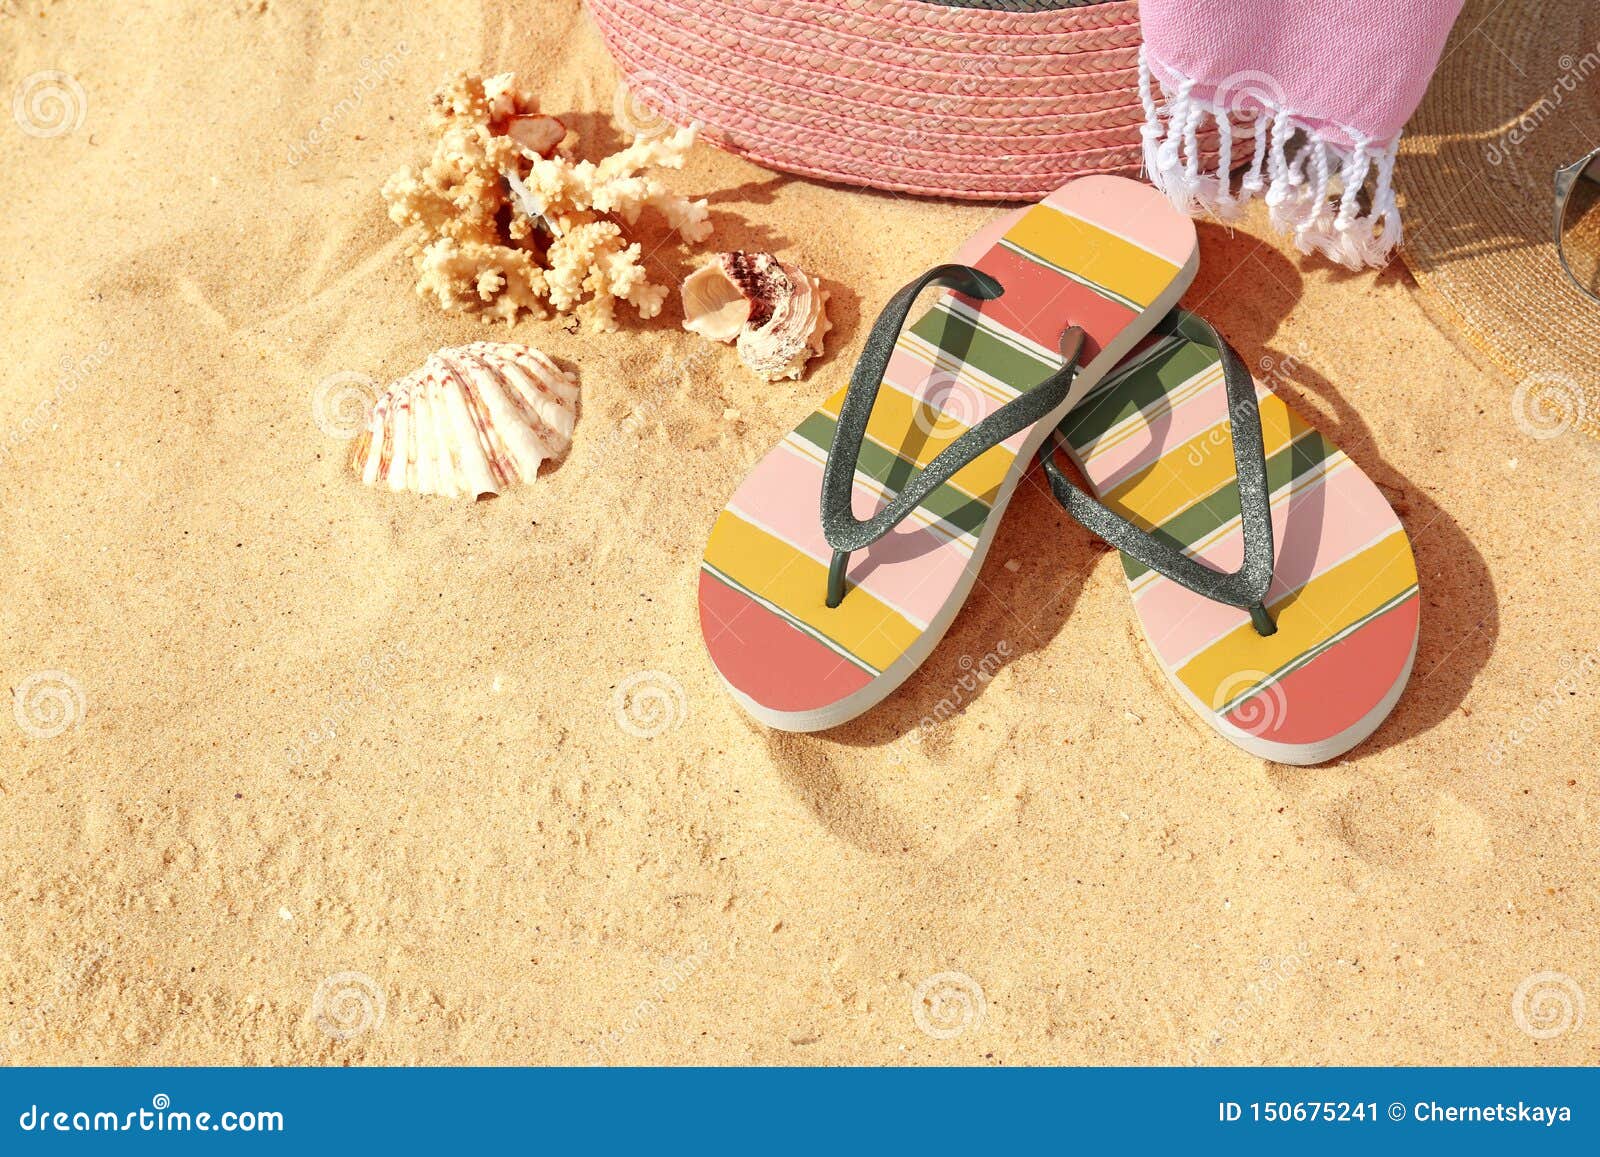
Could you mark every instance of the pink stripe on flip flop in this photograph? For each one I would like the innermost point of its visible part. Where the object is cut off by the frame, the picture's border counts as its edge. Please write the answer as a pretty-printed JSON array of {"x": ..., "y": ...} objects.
[
  {"x": 1206, "y": 410},
  {"x": 911, "y": 569},
  {"x": 961, "y": 404},
  {"x": 1353, "y": 514},
  {"x": 1108, "y": 203},
  {"x": 938, "y": 386}
]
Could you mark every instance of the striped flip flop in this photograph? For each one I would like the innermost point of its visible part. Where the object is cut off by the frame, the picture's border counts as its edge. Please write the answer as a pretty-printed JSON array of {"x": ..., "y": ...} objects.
[
  {"x": 1303, "y": 650},
  {"x": 846, "y": 553}
]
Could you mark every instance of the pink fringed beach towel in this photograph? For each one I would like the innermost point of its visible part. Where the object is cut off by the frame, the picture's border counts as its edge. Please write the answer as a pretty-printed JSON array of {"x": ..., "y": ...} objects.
[{"x": 1311, "y": 95}]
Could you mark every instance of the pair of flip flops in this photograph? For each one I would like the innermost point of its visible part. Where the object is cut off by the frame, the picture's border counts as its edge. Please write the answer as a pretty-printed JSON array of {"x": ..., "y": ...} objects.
[{"x": 1275, "y": 585}]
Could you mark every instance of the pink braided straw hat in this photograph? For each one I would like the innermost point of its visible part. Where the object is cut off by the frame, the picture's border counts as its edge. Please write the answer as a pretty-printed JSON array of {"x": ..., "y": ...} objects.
[{"x": 980, "y": 99}]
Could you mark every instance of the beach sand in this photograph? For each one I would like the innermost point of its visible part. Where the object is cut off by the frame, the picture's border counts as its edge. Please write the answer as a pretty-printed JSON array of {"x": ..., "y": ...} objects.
[{"x": 348, "y": 781}]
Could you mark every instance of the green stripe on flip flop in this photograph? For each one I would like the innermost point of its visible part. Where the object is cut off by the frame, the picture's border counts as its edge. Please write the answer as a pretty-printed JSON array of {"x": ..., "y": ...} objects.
[
  {"x": 1196, "y": 522},
  {"x": 964, "y": 312},
  {"x": 1144, "y": 388},
  {"x": 982, "y": 350},
  {"x": 890, "y": 470}
]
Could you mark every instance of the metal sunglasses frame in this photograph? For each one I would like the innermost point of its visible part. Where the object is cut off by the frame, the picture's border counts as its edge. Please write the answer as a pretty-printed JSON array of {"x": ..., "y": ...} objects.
[{"x": 1566, "y": 180}]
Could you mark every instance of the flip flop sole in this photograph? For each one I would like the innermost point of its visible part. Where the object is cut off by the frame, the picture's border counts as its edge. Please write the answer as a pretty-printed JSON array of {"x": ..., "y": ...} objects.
[
  {"x": 1104, "y": 253},
  {"x": 1154, "y": 443}
]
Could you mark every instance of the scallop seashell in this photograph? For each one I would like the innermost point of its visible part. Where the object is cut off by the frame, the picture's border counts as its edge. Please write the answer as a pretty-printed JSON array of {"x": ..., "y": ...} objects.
[
  {"x": 474, "y": 420},
  {"x": 775, "y": 313}
]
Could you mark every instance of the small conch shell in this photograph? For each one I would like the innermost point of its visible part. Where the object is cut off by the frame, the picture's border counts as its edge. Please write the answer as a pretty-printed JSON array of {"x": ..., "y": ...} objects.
[
  {"x": 774, "y": 312},
  {"x": 474, "y": 420}
]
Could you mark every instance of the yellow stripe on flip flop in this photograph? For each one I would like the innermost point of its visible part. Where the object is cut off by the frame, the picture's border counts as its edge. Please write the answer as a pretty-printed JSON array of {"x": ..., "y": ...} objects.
[
  {"x": 1199, "y": 467},
  {"x": 1326, "y": 605},
  {"x": 773, "y": 570},
  {"x": 918, "y": 433},
  {"x": 1093, "y": 254}
]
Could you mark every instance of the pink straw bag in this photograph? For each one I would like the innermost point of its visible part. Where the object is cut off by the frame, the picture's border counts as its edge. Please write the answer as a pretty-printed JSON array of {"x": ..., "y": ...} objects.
[{"x": 980, "y": 99}]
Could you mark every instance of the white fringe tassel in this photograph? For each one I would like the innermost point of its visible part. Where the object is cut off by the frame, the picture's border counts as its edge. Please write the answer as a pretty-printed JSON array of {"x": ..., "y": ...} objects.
[{"x": 1312, "y": 186}]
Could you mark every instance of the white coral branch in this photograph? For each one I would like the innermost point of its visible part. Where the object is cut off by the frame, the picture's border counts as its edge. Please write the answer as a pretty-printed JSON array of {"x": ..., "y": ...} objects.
[{"x": 479, "y": 211}]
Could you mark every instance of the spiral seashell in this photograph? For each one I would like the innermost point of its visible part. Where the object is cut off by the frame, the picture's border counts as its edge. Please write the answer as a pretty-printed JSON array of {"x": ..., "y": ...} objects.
[
  {"x": 774, "y": 312},
  {"x": 473, "y": 421}
]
